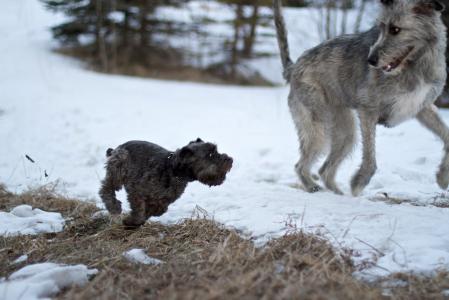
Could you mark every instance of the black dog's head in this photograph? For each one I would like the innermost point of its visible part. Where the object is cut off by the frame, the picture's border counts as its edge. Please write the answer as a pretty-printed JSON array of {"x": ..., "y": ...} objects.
[{"x": 201, "y": 161}]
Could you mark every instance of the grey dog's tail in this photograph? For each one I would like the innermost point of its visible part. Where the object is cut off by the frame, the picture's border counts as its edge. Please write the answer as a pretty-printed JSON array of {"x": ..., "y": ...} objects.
[{"x": 282, "y": 39}]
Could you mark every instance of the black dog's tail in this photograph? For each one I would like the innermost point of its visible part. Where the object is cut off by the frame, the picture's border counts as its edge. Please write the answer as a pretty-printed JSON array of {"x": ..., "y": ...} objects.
[
  {"x": 109, "y": 152},
  {"x": 282, "y": 39}
]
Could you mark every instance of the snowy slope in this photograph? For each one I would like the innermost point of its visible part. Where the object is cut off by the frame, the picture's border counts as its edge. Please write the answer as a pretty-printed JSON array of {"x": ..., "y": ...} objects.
[{"x": 65, "y": 118}]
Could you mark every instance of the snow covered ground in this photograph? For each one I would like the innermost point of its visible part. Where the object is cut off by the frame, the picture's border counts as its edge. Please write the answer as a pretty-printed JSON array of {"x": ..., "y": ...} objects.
[
  {"x": 24, "y": 220},
  {"x": 40, "y": 281},
  {"x": 65, "y": 117}
]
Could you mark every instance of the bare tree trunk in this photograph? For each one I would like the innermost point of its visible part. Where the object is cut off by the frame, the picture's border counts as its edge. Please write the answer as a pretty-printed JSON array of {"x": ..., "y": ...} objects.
[
  {"x": 115, "y": 41},
  {"x": 344, "y": 17},
  {"x": 237, "y": 30},
  {"x": 99, "y": 35},
  {"x": 125, "y": 39},
  {"x": 320, "y": 23},
  {"x": 251, "y": 38},
  {"x": 125, "y": 30},
  {"x": 145, "y": 10},
  {"x": 360, "y": 14},
  {"x": 334, "y": 15},
  {"x": 328, "y": 20}
]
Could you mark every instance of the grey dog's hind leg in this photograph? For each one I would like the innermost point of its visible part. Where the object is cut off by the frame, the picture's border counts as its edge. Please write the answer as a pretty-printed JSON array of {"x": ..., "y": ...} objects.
[
  {"x": 430, "y": 119},
  {"x": 342, "y": 143},
  {"x": 311, "y": 133},
  {"x": 368, "y": 123}
]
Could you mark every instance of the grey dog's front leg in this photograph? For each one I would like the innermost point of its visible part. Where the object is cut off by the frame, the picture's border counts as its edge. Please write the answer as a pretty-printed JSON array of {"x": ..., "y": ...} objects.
[
  {"x": 360, "y": 180},
  {"x": 431, "y": 120}
]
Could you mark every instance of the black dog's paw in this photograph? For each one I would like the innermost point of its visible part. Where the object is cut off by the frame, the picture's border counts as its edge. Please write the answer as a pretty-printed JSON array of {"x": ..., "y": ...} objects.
[
  {"x": 131, "y": 223},
  {"x": 115, "y": 209}
]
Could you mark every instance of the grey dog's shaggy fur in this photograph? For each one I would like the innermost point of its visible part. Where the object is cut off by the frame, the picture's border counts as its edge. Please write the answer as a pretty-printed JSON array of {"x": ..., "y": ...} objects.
[
  {"x": 389, "y": 74},
  {"x": 154, "y": 177}
]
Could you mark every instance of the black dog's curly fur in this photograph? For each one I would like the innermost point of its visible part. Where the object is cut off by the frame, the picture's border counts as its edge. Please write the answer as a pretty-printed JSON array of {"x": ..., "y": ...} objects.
[{"x": 154, "y": 177}]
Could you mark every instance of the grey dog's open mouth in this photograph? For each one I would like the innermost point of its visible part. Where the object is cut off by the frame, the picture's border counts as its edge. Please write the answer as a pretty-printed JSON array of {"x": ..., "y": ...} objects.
[{"x": 397, "y": 62}]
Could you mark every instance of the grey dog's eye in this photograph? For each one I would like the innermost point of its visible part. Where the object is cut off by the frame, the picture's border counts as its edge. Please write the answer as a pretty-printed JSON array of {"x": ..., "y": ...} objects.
[{"x": 394, "y": 30}]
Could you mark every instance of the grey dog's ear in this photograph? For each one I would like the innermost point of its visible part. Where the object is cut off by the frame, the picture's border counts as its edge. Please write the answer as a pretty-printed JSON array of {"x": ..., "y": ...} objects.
[
  {"x": 386, "y": 2},
  {"x": 438, "y": 6},
  {"x": 428, "y": 7}
]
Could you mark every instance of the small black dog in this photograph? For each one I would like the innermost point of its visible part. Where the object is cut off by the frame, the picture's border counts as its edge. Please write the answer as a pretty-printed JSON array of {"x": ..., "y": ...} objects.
[{"x": 154, "y": 177}]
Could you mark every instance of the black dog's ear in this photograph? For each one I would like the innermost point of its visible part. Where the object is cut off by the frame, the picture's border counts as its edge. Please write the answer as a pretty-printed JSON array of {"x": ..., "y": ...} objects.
[
  {"x": 198, "y": 140},
  {"x": 387, "y": 2},
  {"x": 185, "y": 152}
]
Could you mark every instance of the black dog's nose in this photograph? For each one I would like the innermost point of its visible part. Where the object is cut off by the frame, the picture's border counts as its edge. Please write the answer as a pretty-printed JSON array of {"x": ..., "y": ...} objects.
[
  {"x": 373, "y": 60},
  {"x": 228, "y": 161}
]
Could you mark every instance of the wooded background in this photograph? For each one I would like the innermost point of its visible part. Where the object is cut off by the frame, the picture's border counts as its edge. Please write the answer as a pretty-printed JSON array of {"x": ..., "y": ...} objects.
[{"x": 129, "y": 37}]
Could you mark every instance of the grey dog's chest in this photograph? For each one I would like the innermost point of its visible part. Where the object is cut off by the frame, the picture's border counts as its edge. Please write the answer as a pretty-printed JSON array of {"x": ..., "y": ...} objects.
[{"x": 405, "y": 105}]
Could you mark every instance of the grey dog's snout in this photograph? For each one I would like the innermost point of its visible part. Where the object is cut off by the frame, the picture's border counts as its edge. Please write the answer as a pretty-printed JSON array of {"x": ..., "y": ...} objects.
[{"x": 373, "y": 60}]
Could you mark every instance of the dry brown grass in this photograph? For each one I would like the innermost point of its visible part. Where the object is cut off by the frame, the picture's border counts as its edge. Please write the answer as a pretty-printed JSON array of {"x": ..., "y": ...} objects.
[{"x": 203, "y": 260}]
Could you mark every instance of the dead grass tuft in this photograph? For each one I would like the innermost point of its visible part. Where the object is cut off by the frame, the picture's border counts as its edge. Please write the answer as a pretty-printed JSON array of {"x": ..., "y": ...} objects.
[{"x": 202, "y": 260}]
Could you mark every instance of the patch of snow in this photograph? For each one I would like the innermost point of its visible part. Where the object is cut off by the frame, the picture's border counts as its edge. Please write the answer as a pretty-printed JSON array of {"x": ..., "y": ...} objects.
[
  {"x": 40, "y": 281},
  {"x": 140, "y": 257},
  {"x": 24, "y": 220},
  {"x": 394, "y": 283},
  {"x": 100, "y": 214},
  {"x": 20, "y": 259}
]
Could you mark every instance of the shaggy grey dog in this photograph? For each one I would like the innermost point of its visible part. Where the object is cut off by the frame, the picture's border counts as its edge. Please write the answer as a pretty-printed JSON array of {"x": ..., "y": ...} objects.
[
  {"x": 154, "y": 177},
  {"x": 387, "y": 75}
]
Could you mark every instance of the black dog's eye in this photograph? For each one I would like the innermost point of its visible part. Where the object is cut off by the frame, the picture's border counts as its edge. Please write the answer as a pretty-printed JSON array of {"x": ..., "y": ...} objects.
[{"x": 394, "y": 30}]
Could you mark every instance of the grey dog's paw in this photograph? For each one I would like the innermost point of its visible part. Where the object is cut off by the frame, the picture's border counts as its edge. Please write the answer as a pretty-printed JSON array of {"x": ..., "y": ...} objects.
[
  {"x": 443, "y": 178},
  {"x": 361, "y": 179},
  {"x": 314, "y": 189},
  {"x": 358, "y": 184}
]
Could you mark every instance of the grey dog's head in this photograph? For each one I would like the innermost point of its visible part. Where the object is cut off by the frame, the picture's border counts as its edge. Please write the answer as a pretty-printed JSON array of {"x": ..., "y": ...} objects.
[
  {"x": 407, "y": 28},
  {"x": 202, "y": 162}
]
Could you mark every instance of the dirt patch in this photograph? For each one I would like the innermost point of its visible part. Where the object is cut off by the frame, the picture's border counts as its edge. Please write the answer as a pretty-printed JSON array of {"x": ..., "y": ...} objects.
[
  {"x": 440, "y": 200},
  {"x": 202, "y": 260}
]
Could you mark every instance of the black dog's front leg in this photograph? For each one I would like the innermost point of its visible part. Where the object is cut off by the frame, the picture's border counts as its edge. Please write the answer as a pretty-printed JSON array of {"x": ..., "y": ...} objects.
[{"x": 137, "y": 216}]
